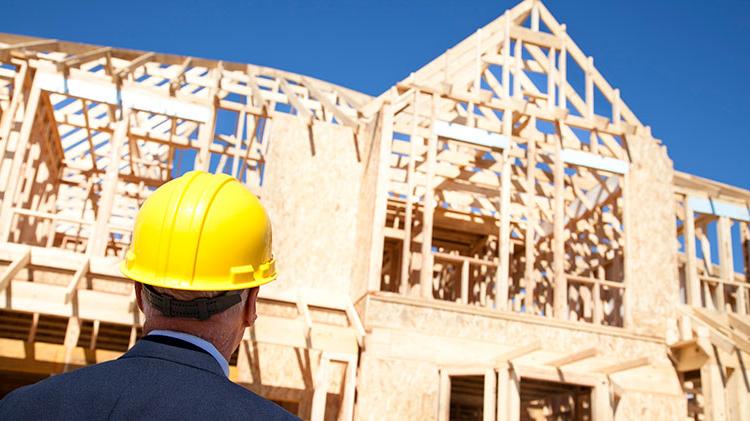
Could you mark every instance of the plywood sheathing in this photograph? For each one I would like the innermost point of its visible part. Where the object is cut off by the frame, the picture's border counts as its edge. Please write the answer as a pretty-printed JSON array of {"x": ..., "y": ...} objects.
[
  {"x": 311, "y": 191},
  {"x": 430, "y": 338},
  {"x": 406, "y": 389},
  {"x": 653, "y": 293}
]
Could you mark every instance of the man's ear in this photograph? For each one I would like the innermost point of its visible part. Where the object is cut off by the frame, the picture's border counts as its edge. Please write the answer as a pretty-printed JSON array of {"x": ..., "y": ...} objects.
[
  {"x": 249, "y": 312},
  {"x": 138, "y": 296}
]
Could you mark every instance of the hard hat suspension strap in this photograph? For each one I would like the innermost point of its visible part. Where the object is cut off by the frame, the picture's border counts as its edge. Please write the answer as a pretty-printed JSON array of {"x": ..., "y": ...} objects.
[{"x": 199, "y": 308}]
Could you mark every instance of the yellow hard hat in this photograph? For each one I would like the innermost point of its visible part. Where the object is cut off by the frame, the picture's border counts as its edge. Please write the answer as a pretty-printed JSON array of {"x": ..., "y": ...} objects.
[{"x": 201, "y": 232}]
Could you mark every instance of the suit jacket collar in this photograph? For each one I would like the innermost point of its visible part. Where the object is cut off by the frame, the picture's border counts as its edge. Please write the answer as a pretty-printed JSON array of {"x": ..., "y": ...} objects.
[{"x": 175, "y": 350}]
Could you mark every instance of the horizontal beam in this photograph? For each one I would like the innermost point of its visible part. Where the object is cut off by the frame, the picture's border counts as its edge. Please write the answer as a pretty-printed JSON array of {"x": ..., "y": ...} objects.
[
  {"x": 129, "y": 96},
  {"x": 471, "y": 135},
  {"x": 719, "y": 208},
  {"x": 598, "y": 162}
]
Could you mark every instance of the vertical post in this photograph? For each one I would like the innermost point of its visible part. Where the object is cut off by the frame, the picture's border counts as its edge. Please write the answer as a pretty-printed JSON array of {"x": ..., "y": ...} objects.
[
  {"x": 381, "y": 196},
  {"x": 590, "y": 88},
  {"x": 517, "y": 69},
  {"x": 745, "y": 241},
  {"x": 713, "y": 390},
  {"x": 561, "y": 284},
  {"x": 563, "y": 65},
  {"x": 72, "y": 333},
  {"x": 444, "y": 397},
  {"x": 506, "y": 56},
  {"x": 514, "y": 396},
  {"x": 321, "y": 390},
  {"x": 598, "y": 310},
  {"x": 531, "y": 222},
  {"x": 692, "y": 284},
  {"x": 503, "y": 379},
  {"x": 551, "y": 78},
  {"x": 501, "y": 293},
  {"x": 616, "y": 117},
  {"x": 535, "y": 17},
  {"x": 406, "y": 245},
  {"x": 425, "y": 278},
  {"x": 726, "y": 260},
  {"x": 626, "y": 212},
  {"x": 205, "y": 138},
  {"x": 477, "y": 78},
  {"x": 100, "y": 234},
  {"x": 465, "y": 282},
  {"x": 18, "y": 159},
  {"x": 206, "y": 131},
  {"x": 601, "y": 407},
  {"x": 490, "y": 395},
  {"x": 347, "y": 408}
]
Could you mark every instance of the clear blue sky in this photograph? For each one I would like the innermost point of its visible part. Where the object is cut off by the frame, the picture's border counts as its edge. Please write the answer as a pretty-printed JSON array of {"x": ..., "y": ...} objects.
[{"x": 682, "y": 66}]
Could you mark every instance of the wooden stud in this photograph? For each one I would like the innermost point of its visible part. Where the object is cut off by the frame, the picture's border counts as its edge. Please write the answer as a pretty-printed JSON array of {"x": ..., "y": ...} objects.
[
  {"x": 561, "y": 284},
  {"x": 693, "y": 286},
  {"x": 12, "y": 270},
  {"x": 490, "y": 395},
  {"x": 444, "y": 397},
  {"x": 406, "y": 245},
  {"x": 429, "y": 208}
]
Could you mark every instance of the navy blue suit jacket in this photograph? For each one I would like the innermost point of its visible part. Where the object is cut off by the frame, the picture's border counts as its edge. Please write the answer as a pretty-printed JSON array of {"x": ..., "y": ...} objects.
[{"x": 160, "y": 378}]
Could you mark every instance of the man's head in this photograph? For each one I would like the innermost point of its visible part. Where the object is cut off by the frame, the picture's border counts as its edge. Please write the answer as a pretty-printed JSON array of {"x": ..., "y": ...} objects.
[
  {"x": 223, "y": 329},
  {"x": 201, "y": 249}
]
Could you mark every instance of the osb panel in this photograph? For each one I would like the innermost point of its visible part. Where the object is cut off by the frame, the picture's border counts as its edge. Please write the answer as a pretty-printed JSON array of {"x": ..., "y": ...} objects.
[
  {"x": 367, "y": 208},
  {"x": 391, "y": 389},
  {"x": 311, "y": 191},
  {"x": 649, "y": 406},
  {"x": 284, "y": 367},
  {"x": 651, "y": 253},
  {"x": 445, "y": 323}
]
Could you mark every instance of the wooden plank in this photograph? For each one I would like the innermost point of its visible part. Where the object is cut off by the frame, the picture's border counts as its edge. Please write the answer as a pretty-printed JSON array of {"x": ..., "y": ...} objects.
[
  {"x": 406, "y": 254},
  {"x": 514, "y": 396},
  {"x": 625, "y": 365},
  {"x": 561, "y": 284},
  {"x": 350, "y": 384},
  {"x": 601, "y": 407},
  {"x": 693, "y": 283},
  {"x": 425, "y": 276},
  {"x": 76, "y": 280},
  {"x": 574, "y": 357},
  {"x": 465, "y": 282},
  {"x": 490, "y": 395},
  {"x": 12, "y": 270},
  {"x": 444, "y": 396},
  {"x": 531, "y": 226},
  {"x": 471, "y": 135},
  {"x": 590, "y": 160},
  {"x": 503, "y": 378},
  {"x": 716, "y": 207},
  {"x": 503, "y": 271},
  {"x": 517, "y": 352},
  {"x": 72, "y": 333}
]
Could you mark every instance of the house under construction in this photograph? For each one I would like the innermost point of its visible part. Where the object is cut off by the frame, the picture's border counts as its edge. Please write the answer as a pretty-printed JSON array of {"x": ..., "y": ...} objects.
[{"x": 495, "y": 237}]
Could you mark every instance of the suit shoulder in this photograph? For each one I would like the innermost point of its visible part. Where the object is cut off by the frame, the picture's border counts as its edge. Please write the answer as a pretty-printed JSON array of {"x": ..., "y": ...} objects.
[{"x": 249, "y": 402}]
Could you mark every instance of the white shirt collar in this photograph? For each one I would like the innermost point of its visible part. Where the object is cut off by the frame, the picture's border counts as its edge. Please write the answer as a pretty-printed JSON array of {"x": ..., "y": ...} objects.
[{"x": 201, "y": 343}]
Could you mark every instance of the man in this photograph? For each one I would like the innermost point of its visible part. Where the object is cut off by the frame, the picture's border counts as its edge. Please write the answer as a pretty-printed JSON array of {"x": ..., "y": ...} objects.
[{"x": 201, "y": 249}]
